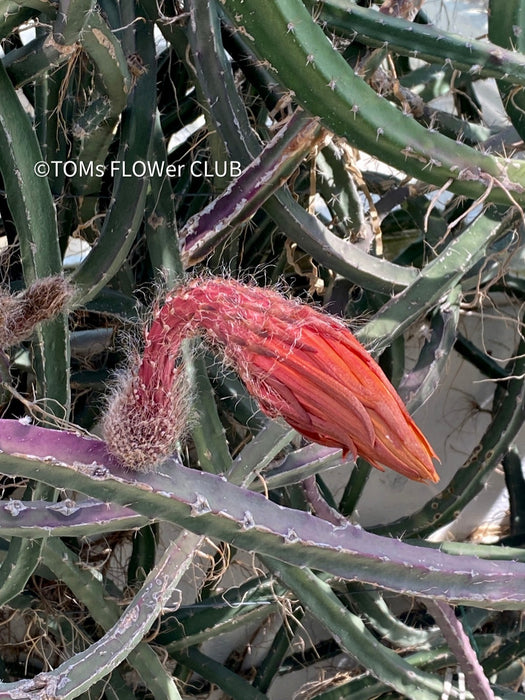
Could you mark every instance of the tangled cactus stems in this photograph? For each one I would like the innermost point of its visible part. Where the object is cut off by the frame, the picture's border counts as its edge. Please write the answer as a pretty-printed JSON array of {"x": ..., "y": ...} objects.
[{"x": 300, "y": 364}]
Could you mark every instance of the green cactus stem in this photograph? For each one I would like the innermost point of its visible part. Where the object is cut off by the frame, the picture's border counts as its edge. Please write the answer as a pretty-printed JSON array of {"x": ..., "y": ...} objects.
[
  {"x": 231, "y": 121},
  {"x": 353, "y": 636},
  {"x": 506, "y": 30},
  {"x": 259, "y": 452},
  {"x": 322, "y": 82},
  {"x": 436, "y": 278},
  {"x": 459, "y": 643},
  {"x": 507, "y": 419},
  {"x": 126, "y": 209},
  {"x": 233, "y": 685},
  {"x": 252, "y": 601},
  {"x": 207, "y": 504},
  {"x": 397, "y": 35},
  {"x": 423, "y": 379},
  {"x": 299, "y": 465},
  {"x": 66, "y": 518},
  {"x": 251, "y": 189},
  {"x": 124, "y": 633}
]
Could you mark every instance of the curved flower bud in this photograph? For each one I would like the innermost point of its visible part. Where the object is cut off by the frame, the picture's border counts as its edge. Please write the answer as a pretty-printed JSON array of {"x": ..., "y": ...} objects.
[{"x": 300, "y": 364}]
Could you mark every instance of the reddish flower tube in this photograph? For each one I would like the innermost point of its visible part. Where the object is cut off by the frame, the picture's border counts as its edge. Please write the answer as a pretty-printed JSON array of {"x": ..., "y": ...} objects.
[{"x": 299, "y": 363}]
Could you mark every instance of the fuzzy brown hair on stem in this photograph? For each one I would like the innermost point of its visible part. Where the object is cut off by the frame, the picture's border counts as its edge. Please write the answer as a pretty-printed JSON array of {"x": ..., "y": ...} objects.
[{"x": 20, "y": 313}]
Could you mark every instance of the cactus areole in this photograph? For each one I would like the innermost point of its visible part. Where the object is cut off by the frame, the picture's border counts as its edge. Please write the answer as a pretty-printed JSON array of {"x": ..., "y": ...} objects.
[{"x": 299, "y": 363}]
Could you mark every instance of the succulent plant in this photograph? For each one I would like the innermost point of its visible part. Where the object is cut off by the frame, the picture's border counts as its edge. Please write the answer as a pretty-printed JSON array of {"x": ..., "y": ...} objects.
[{"x": 240, "y": 247}]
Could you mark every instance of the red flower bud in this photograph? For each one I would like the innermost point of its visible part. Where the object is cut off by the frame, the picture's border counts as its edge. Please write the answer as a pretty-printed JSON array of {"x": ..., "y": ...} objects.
[{"x": 299, "y": 363}]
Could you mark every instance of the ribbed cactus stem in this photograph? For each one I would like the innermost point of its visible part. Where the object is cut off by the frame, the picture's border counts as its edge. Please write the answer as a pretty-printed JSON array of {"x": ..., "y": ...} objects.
[{"x": 298, "y": 363}]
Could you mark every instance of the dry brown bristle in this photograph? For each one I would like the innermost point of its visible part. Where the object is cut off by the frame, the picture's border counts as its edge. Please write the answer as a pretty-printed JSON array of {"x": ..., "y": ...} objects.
[{"x": 20, "y": 313}]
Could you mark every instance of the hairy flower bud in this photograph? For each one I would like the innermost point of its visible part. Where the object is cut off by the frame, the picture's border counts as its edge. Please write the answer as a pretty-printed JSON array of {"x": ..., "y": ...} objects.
[{"x": 300, "y": 364}]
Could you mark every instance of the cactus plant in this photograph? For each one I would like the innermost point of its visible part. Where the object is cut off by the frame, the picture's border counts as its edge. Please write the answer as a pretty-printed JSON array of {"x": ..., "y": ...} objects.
[{"x": 275, "y": 180}]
